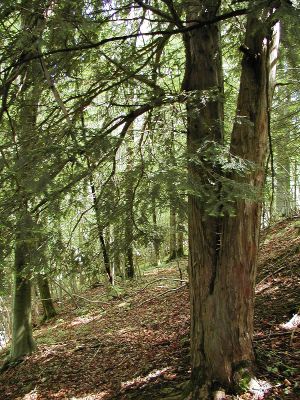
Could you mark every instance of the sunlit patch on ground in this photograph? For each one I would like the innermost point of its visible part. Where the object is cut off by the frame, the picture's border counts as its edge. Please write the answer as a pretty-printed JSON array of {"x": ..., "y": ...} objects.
[
  {"x": 98, "y": 396},
  {"x": 293, "y": 323},
  {"x": 259, "y": 388},
  {"x": 31, "y": 396},
  {"x": 82, "y": 320},
  {"x": 141, "y": 351},
  {"x": 145, "y": 379}
]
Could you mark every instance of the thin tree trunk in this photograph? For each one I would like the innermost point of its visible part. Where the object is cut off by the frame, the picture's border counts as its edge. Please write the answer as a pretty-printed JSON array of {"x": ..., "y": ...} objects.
[
  {"x": 129, "y": 263},
  {"x": 156, "y": 239},
  {"x": 102, "y": 243},
  {"x": 283, "y": 177},
  {"x": 295, "y": 185},
  {"x": 173, "y": 199},
  {"x": 103, "y": 246},
  {"x": 172, "y": 225},
  {"x": 116, "y": 252},
  {"x": 180, "y": 234},
  {"x": 46, "y": 298}
]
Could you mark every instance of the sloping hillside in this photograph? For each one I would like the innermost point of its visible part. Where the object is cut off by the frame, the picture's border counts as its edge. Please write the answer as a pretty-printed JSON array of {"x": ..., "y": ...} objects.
[
  {"x": 277, "y": 316},
  {"x": 132, "y": 342}
]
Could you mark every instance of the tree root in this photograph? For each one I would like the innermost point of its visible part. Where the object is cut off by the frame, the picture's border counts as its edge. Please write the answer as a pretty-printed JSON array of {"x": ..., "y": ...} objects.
[{"x": 7, "y": 364}]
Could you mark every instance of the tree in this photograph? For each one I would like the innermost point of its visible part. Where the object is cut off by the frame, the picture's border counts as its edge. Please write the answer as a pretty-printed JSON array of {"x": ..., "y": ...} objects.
[
  {"x": 223, "y": 247},
  {"x": 72, "y": 94},
  {"x": 22, "y": 340}
]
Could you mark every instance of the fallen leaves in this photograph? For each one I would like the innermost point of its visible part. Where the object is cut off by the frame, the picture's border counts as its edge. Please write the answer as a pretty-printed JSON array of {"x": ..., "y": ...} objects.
[{"x": 136, "y": 345}]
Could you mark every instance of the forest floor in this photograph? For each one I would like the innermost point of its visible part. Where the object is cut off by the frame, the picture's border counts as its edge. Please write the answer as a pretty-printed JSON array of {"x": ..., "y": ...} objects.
[{"x": 132, "y": 341}]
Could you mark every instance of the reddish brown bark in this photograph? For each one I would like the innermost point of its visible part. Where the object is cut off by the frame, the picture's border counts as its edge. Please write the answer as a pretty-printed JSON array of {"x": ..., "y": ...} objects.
[{"x": 223, "y": 250}]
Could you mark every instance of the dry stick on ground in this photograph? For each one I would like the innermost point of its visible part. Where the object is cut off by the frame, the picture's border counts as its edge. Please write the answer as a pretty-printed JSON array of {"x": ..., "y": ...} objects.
[
  {"x": 73, "y": 296},
  {"x": 159, "y": 295},
  {"x": 270, "y": 336},
  {"x": 66, "y": 291},
  {"x": 158, "y": 280},
  {"x": 271, "y": 274}
]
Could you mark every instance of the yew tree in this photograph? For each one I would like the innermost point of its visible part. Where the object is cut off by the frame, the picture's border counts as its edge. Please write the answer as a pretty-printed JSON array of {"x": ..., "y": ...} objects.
[
  {"x": 85, "y": 81},
  {"x": 223, "y": 245}
]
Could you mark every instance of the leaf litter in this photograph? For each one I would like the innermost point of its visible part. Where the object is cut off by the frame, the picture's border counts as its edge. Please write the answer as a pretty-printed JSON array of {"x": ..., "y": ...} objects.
[{"x": 135, "y": 345}]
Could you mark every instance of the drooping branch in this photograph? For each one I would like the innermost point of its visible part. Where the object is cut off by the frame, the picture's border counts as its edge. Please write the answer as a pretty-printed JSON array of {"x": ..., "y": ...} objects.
[{"x": 93, "y": 45}]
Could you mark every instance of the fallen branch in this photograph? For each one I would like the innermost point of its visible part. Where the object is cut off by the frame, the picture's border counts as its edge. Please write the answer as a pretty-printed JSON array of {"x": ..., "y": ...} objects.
[
  {"x": 159, "y": 295},
  {"x": 271, "y": 335},
  {"x": 158, "y": 280},
  {"x": 73, "y": 295},
  {"x": 271, "y": 274}
]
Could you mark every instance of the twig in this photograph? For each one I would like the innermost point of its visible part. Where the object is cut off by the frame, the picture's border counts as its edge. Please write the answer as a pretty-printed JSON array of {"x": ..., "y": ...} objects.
[
  {"x": 73, "y": 295},
  {"x": 66, "y": 291},
  {"x": 270, "y": 336},
  {"x": 159, "y": 295},
  {"x": 160, "y": 279},
  {"x": 271, "y": 274},
  {"x": 57, "y": 97}
]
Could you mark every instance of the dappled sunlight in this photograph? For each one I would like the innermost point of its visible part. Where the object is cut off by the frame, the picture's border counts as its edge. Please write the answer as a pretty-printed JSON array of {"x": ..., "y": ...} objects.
[
  {"x": 261, "y": 287},
  {"x": 98, "y": 396},
  {"x": 82, "y": 320},
  {"x": 259, "y": 388},
  {"x": 269, "y": 287},
  {"x": 293, "y": 323},
  {"x": 32, "y": 395},
  {"x": 141, "y": 380}
]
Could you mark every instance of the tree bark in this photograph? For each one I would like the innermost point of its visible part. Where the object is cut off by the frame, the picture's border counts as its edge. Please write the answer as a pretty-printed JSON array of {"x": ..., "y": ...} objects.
[
  {"x": 283, "y": 193},
  {"x": 223, "y": 250},
  {"x": 102, "y": 243},
  {"x": 129, "y": 195},
  {"x": 172, "y": 252},
  {"x": 22, "y": 339},
  {"x": 156, "y": 238},
  {"x": 46, "y": 298},
  {"x": 203, "y": 79},
  {"x": 180, "y": 233},
  {"x": 26, "y": 159}
]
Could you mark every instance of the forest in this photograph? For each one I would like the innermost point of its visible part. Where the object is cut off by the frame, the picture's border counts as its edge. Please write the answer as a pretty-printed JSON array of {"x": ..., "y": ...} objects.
[{"x": 150, "y": 199}]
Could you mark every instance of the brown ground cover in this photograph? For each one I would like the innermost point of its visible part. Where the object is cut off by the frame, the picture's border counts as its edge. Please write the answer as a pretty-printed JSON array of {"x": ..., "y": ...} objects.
[{"x": 133, "y": 342}]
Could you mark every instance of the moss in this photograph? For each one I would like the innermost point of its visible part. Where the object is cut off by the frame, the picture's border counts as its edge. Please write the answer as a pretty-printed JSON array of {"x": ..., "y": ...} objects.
[{"x": 242, "y": 377}]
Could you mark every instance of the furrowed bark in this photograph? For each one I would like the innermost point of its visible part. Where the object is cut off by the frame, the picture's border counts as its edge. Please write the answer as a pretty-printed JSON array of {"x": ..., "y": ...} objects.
[{"x": 223, "y": 250}]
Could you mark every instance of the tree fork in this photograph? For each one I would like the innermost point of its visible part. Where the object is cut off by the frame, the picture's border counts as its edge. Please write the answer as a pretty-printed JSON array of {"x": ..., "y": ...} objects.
[{"x": 223, "y": 250}]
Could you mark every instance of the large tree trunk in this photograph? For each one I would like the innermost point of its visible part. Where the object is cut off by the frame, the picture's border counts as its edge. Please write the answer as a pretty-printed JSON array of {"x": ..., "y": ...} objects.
[
  {"x": 22, "y": 340},
  {"x": 26, "y": 159},
  {"x": 223, "y": 250},
  {"x": 203, "y": 78}
]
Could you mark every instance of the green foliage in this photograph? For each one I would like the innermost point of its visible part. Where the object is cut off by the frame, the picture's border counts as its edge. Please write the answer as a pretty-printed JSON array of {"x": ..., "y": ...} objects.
[{"x": 89, "y": 101}]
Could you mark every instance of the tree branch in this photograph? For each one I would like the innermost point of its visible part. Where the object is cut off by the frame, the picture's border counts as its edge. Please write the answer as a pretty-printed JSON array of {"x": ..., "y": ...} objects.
[{"x": 88, "y": 46}]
